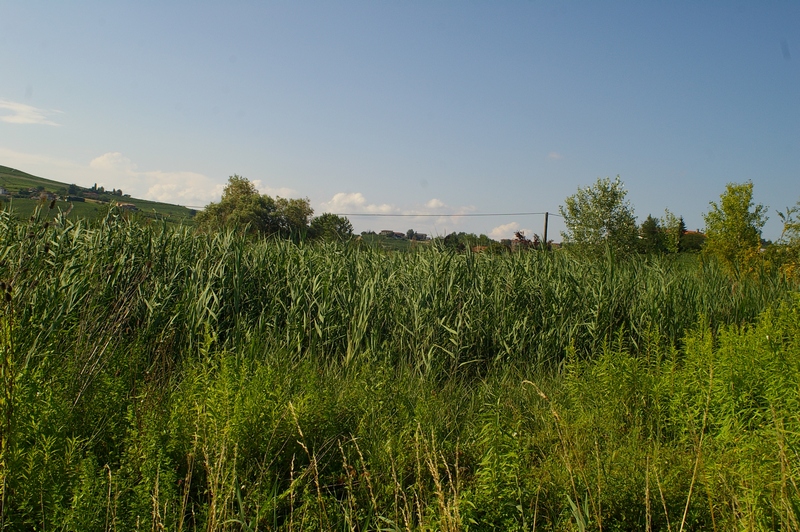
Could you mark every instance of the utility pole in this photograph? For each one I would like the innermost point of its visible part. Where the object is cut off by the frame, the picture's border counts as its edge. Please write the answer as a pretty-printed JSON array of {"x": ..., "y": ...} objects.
[{"x": 544, "y": 240}]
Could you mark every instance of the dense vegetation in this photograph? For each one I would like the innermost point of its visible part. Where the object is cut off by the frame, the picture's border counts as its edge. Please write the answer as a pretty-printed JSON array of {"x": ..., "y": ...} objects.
[{"x": 155, "y": 378}]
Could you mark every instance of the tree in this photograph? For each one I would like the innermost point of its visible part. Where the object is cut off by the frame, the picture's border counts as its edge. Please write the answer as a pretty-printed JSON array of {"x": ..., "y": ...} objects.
[
  {"x": 787, "y": 252},
  {"x": 652, "y": 238},
  {"x": 600, "y": 216},
  {"x": 733, "y": 227},
  {"x": 331, "y": 227},
  {"x": 243, "y": 208},
  {"x": 674, "y": 229},
  {"x": 292, "y": 216},
  {"x": 410, "y": 234},
  {"x": 790, "y": 235},
  {"x": 692, "y": 242}
]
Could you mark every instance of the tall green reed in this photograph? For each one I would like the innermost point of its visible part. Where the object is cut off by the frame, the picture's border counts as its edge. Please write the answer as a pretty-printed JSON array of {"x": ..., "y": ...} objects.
[{"x": 182, "y": 380}]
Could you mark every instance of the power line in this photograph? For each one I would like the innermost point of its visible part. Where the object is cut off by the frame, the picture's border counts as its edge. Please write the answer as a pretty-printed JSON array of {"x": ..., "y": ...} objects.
[
  {"x": 389, "y": 215},
  {"x": 471, "y": 215}
]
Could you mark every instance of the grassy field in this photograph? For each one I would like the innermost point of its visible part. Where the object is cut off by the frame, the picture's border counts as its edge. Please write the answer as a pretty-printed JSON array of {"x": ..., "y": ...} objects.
[
  {"x": 154, "y": 378},
  {"x": 16, "y": 180}
]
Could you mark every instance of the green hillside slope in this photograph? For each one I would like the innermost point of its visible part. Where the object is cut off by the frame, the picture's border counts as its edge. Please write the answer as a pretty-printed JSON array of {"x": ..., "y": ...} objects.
[{"x": 23, "y": 192}]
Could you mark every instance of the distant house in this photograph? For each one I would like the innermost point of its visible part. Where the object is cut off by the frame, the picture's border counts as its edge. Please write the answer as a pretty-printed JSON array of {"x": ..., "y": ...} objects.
[
  {"x": 4, "y": 191},
  {"x": 388, "y": 233},
  {"x": 127, "y": 206}
]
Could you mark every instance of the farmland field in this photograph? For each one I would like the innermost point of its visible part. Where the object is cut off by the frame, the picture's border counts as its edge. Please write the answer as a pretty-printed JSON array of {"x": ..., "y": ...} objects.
[{"x": 156, "y": 378}]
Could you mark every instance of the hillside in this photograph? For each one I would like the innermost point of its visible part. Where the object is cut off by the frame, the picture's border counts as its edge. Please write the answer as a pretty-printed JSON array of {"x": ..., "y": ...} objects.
[{"x": 25, "y": 191}]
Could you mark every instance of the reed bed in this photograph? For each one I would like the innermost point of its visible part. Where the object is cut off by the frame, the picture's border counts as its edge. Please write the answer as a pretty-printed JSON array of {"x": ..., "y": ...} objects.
[{"x": 156, "y": 378}]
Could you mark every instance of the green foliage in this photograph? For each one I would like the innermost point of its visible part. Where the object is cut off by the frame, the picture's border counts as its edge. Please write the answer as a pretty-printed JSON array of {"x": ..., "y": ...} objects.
[
  {"x": 292, "y": 216},
  {"x": 652, "y": 237},
  {"x": 599, "y": 216},
  {"x": 331, "y": 227},
  {"x": 674, "y": 230},
  {"x": 243, "y": 209},
  {"x": 733, "y": 227},
  {"x": 692, "y": 241},
  {"x": 462, "y": 241},
  {"x": 784, "y": 255},
  {"x": 169, "y": 380},
  {"x": 790, "y": 235},
  {"x": 377, "y": 241}
]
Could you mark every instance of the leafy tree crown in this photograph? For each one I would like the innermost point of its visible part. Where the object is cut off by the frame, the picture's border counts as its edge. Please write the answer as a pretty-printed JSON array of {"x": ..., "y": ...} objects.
[{"x": 599, "y": 215}]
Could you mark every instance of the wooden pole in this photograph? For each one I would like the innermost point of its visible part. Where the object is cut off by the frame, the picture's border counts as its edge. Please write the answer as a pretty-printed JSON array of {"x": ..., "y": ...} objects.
[{"x": 544, "y": 240}]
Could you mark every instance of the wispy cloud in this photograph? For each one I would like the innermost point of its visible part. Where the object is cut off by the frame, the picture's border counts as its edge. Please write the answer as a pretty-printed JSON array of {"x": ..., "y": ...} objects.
[
  {"x": 20, "y": 113},
  {"x": 555, "y": 156}
]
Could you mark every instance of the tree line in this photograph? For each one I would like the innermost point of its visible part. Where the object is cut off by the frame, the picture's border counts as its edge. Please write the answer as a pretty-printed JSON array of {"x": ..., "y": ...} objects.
[
  {"x": 598, "y": 218},
  {"x": 243, "y": 209}
]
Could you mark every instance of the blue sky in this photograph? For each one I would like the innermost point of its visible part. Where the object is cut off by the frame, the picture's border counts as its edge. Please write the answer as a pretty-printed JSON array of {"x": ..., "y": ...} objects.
[{"x": 409, "y": 107}]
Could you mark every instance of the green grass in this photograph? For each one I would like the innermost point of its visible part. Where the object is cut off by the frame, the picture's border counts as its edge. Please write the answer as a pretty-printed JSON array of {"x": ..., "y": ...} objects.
[
  {"x": 15, "y": 180},
  {"x": 156, "y": 378},
  {"x": 391, "y": 244}
]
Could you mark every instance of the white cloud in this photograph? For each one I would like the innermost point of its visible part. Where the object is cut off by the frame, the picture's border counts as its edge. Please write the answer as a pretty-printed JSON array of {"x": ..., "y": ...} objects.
[
  {"x": 20, "y": 113},
  {"x": 435, "y": 204},
  {"x": 555, "y": 156},
  {"x": 42, "y": 165},
  {"x": 283, "y": 192},
  {"x": 113, "y": 162},
  {"x": 113, "y": 169},
  {"x": 355, "y": 202},
  {"x": 434, "y": 217},
  {"x": 185, "y": 188},
  {"x": 507, "y": 231}
]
